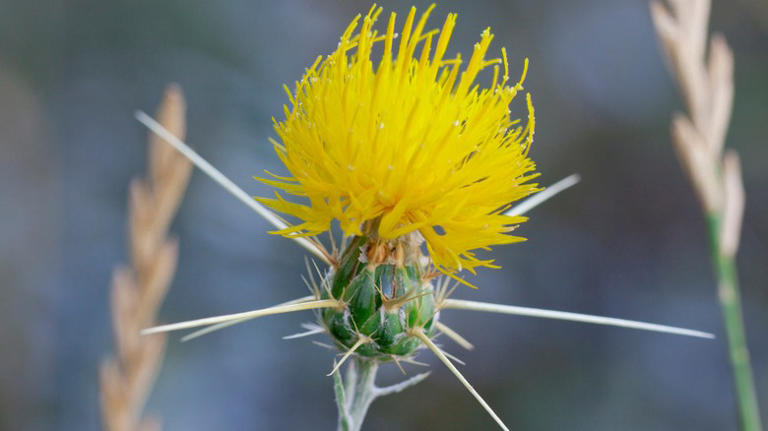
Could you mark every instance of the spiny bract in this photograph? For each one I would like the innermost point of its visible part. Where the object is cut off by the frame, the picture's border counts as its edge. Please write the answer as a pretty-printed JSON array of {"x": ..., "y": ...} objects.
[
  {"x": 387, "y": 295},
  {"x": 410, "y": 142}
]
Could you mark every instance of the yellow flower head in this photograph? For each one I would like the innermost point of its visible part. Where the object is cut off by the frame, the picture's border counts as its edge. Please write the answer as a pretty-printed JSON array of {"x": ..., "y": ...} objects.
[{"x": 410, "y": 141}]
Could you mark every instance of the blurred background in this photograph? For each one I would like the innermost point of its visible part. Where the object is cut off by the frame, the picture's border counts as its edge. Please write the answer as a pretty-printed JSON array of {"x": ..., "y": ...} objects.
[{"x": 629, "y": 241}]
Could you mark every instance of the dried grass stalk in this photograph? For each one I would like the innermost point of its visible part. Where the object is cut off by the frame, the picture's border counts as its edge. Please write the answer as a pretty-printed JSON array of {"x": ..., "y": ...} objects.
[
  {"x": 707, "y": 89},
  {"x": 706, "y": 84},
  {"x": 138, "y": 290}
]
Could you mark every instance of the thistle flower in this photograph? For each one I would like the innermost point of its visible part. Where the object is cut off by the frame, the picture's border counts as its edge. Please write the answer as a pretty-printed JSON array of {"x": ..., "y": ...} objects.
[
  {"x": 406, "y": 152},
  {"x": 411, "y": 142}
]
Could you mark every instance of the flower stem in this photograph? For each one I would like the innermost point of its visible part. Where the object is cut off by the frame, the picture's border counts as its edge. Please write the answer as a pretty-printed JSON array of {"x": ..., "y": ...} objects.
[
  {"x": 341, "y": 403},
  {"x": 730, "y": 303},
  {"x": 355, "y": 396},
  {"x": 364, "y": 391}
]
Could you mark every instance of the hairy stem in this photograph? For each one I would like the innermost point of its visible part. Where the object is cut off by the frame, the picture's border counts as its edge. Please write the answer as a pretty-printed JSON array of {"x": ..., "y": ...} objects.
[
  {"x": 363, "y": 392},
  {"x": 355, "y": 395},
  {"x": 341, "y": 401},
  {"x": 730, "y": 304}
]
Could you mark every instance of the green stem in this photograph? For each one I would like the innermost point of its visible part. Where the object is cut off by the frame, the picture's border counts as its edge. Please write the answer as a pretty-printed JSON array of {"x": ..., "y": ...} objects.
[
  {"x": 341, "y": 402},
  {"x": 364, "y": 391},
  {"x": 730, "y": 303},
  {"x": 357, "y": 393}
]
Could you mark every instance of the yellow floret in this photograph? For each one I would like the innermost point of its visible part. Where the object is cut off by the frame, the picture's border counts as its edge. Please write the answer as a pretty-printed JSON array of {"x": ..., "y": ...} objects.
[{"x": 411, "y": 141}]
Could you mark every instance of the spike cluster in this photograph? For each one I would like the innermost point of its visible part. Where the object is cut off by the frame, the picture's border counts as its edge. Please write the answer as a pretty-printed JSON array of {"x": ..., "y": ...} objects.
[
  {"x": 705, "y": 79},
  {"x": 138, "y": 289}
]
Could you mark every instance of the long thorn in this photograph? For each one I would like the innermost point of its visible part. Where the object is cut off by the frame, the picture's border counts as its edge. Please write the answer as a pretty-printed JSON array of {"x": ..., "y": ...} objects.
[
  {"x": 213, "y": 328},
  {"x": 323, "y": 345},
  {"x": 217, "y": 327},
  {"x": 326, "y": 303},
  {"x": 317, "y": 270},
  {"x": 360, "y": 342},
  {"x": 543, "y": 196},
  {"x": 399, "y": 365},
  {"x": 454, "y": 358},
  {"x": 460, "y": 304},
  {"x": 414, "y": 362},
  {"x": 444, "y": 359},
  {"x": 225, "y": 182},
  {"x": 334, "y": 250},
  {"x": 311, "y": 332},
  {"x": 455, "y": 336}
]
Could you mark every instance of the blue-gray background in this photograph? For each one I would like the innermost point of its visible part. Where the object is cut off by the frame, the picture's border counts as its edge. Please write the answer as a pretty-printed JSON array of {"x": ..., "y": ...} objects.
[{"x": 627, "y": 242}]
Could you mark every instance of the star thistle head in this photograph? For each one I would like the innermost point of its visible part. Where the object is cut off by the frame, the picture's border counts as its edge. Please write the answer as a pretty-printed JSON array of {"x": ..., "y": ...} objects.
[
  {"x": 401, "y": 152},
  {"x": 408, "y": 142}
]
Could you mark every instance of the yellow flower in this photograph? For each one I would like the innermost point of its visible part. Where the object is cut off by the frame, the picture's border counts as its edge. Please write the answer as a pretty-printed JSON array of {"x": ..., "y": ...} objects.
[{"x": 408, "y": 140}]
